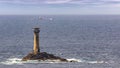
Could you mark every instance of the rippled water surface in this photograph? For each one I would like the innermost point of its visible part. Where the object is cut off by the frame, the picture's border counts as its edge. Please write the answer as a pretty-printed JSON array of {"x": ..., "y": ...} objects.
[{"x": 93, "y": 41}]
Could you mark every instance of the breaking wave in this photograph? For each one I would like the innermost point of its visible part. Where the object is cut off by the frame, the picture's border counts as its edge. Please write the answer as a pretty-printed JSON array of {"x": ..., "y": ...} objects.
[
  {"x": 11, "y": 61},
  {"x": 85, "y": 61}
]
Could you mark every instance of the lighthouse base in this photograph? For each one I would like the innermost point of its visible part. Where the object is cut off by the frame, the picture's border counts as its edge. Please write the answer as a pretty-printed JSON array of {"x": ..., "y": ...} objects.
[{"x": 42, "y": 56}]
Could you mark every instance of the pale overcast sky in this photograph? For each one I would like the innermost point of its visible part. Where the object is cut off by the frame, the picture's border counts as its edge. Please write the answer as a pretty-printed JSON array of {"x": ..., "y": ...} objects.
[{"x": 84, "y": 7}]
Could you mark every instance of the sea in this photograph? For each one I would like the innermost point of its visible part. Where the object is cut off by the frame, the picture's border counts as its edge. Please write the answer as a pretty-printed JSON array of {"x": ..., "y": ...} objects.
[{"x": 92, "y": 41}]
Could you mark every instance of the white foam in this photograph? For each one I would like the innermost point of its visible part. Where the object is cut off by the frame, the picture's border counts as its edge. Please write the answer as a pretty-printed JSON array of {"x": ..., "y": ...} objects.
[
  {"x": 85, "y": 61},
  {"x": 96, "y": 62},
  {"x": 74, "y": 60},
  {"x": 11, "y": 61}
]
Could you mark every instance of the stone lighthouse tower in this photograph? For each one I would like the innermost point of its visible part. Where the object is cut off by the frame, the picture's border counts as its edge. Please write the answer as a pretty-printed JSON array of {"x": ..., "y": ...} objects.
[
  {"x": 36, "y": 54},
  {"x": 36, "y": 48}
]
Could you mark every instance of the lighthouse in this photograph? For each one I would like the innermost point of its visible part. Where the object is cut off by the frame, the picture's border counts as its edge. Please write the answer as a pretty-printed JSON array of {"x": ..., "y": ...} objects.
[
  {"x": 36, "y": 54},
  {"x": 36, "y": 48}
]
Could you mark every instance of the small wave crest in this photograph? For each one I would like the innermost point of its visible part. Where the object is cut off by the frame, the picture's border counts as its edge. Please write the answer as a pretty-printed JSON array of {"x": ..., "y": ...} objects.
[
  {"x": 85, "y": 61},
  {"x": 11, "y": 61},
  {"x": 74, "y": 60}
]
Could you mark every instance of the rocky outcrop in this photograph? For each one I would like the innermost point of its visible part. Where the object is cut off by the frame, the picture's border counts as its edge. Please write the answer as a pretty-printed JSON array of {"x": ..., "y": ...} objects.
[
  {"x": 37, "y": 55},
  {"x": 42, "y": 56}
]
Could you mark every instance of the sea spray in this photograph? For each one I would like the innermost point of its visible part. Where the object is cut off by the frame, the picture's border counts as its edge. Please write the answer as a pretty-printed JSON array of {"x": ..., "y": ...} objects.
[{"x": 11, "y": 61}]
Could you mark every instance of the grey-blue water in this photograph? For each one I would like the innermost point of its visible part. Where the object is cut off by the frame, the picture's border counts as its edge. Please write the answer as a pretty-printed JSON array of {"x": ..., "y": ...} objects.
[{"x": 91, "y": 40}]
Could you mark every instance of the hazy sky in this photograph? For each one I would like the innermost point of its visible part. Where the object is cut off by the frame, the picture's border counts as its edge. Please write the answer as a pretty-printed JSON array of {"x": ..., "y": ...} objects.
[{"x": 59, "y": 7}]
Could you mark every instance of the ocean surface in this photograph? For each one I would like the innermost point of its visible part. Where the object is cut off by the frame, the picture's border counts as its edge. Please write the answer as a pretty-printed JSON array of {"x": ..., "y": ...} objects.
[{"x": 93, "y": 41}]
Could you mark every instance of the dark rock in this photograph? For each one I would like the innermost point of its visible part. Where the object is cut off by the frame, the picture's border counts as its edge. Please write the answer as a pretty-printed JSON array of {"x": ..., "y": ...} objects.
[
  {"x": 36, "y": 54},
  {"x": 42, "y": 56}
]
